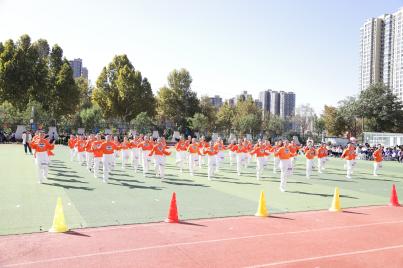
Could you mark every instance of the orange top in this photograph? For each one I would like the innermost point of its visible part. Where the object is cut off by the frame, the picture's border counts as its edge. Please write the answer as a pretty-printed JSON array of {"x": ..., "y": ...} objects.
[
  {"x": 294, "y": 149},
  {"x": 310, "y": 153},
  {"x": 80, "y": 145},
  {"x": 71, "y": 143},
  {"x": 146, "y": 145},
  {"x": 194, "y": 148},
  {"x": 117, "y": 145},
  {"x": 159, "y": 149},
  {"x": 260, "y": 151},
  {"x": 108, "y": 147},
  {"x": 134, "y": 143},
  {"x": 240, "y": 148},
  {"x": 321, "y": 152},
  {"x": 284, "y": 153},
  {"x": 181, "y": 146},
  {"x": 96, "y": 147},
  {"x": 349, "y": 154},
  {"x": 219, "y": 146},
  {"x": 88, "y": 145},
  {"x": 125, "y": 145},
  {"x": 42, "y": 145},
  {"x": 378, "y": 155},
  {"x": 210, "y": 151}
]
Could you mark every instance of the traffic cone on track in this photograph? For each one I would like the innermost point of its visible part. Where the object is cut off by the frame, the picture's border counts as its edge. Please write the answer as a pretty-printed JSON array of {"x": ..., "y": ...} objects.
[
  {"x": 173, "y": 211},
  {"x": 262, "y": 210},
  {"x": 336, "y": 207},
  {"x": 59, "y": 224},
  {"x": 394, "y": 201}
]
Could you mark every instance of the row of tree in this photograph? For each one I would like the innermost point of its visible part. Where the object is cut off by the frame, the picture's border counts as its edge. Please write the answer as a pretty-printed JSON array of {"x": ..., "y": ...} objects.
[{"x": 36, "y": 82}]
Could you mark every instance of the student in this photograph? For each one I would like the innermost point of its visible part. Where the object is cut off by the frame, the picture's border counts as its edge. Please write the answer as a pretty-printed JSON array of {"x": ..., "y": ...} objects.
[
  {"x": 276, "y": 160},
  {"x": 160, "y": 153},
  {"x": 378, "y": 158},
  {"x": 284, "y": 156},
  {"x": 219, "y": 147},
  {"x": 260, "y": 152},
  {"x": 72, "y": 143},
  {"x": 202, "y": 145},
  {"x": 96, "y": 147},
  {"x": 240, "y": 150},
  {"x": 231, "y": 152},
  {"x": 349, "y": 155},
  {"x": 194, "y": 152},
  {"x": 135, "y": 151},
  {"x": 26, "y": 139},
  {"x": 80, "y": 148},
  {"x": 41, "y": 147},
  {"x": 108, "y": 148},
  {"x": 310, "y": 155},
  {"x": 125, "y": 151},
  {"x": 294, "y": 152},
  {"x": 211, "y": 153},
  {"x": 146, "y": 146},
  {"x": 181, "y": 148},
  {"x": 89, "y": 155},
  {"x": 322, "y": 154}
]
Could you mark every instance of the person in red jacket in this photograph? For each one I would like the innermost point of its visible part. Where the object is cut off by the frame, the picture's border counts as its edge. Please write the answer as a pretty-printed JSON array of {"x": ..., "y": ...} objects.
[
  {"x": 71, "y": 144},
  {"x": 134, "y": 145},
  {"x": 211, "y": 153},
  {"x": 41, "y": 147},
  {"x": 219, "y": 147},
  {"x": 194, "y": 152},
  {"x": 322, "y": 154},
  {"x": 108, "y": 149},
  {"x": 310, "y": 154},
  {"x": 80, "y": 148},
  {"x": 181, "y": 148},
  {"x": 349, "y": 155},
  {"x": 260, "y": 152},
  {"x": 159, "y": 151},
  {"x": 96, "y": 147},
  {"x": 378, "y": 158},
  {"x": 89, "y": 155},
  {"x": 125, "y": 148},
  {"x": 284, "y": 156},
  {"x": 146, "y": 146}
]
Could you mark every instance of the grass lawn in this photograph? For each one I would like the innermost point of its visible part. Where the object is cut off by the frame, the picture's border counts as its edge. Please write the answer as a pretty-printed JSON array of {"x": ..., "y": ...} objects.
[{"x": 26, "y": 206}]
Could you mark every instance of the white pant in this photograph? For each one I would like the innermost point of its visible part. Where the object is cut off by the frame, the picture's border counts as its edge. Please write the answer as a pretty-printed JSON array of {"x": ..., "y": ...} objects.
[
  {"x": 240, "y": 159},
  {"x": 81, "y": 157},
  {"x": 276, "y": 163},
  {"x": 73, "y": 153},
  {"x": 180, "y": 159},
  {"x": 97, "y": 162},
  {"x": 232, "y": 158},
  {"x": 107, "y": 160},
  {"x": 350, "y": 166},
  {"x": 285, "y": 168},
  {"x": 219, "y": 159},
  {"x": 135, "y": 158},
  {"x": 211, "y": 166},
  {"x": 146, "y": 161},
  {"x": 160, "y": 166},
  {"x": 201, "y": 160},
  {"x": 125, "y": 157},
  {"x": 193, "y": 162},
  {"x": 377, "y": 166},
  {"x": 42, "y": 162},
  {"x": 89, "y": 157},
  {"x": 260, "y": 163},
  {"x": 321, "y": 163},
  {"x": 309, "y": 165}
]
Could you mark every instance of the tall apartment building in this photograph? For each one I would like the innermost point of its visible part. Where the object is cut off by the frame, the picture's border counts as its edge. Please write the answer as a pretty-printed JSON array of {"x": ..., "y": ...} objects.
[
  {"x": 277, "y": 103},
  {"x": 78, "y": 69},
  {"x": 381, "y": 52},
  {"x": 216, "y": 101}
]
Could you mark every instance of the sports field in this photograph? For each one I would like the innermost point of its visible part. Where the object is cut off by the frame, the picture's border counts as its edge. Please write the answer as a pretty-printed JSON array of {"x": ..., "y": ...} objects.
[{"x": 26, "y": 206}]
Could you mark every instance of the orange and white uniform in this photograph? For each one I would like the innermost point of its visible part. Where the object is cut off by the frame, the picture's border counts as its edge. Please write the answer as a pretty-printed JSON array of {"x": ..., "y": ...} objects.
[
  {"x": 378, "y": 158},
  {"x": 96, "y": 147},
  {"x": 71, "y": 144},
  {"x": 260, "y": 152},
  {"x": 231, "y": 153},
  {"x": 241, "y": 150},
  {"x": 310, "y": 156},
  {"x": 349, "y": 155},
  {"x": 194, "y": 152},
  {"x": 146, "y": 146},
  {"x": 202, "y": 145},
  {"x": 108, "y": 149},
  {"x": 125, "y": 148},
  {"x": 181, "y": 155},
  {"x": 322, "y": 154},
  {"x": 284, "y": 155},
  {"x": 89, "y": 154},
  {"x": 294, "y": 152},
  {"x": 80, "y": 148},
  {"x": 219, "y": 147},
  {"x": 159, "y": 152},
  {"x": 276, "y": 160},
  {"x": 134, "y": 145},
  {"x": 210, "y": 152},
  {"x": 41, "y": 147}
]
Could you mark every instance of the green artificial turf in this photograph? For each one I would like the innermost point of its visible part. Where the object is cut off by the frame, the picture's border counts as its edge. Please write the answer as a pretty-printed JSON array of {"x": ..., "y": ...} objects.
[{"x": 26, "y": 206}]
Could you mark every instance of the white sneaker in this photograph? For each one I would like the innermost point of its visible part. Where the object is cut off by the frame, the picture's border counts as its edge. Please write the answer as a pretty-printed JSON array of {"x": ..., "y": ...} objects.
[
  {"x": 282, "y": 189},
  {"x": 348, "y": 177},
  {"x": 376, "y": 175}
]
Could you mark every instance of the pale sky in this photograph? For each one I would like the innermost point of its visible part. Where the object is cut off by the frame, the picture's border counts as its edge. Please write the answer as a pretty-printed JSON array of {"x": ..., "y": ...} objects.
[{"x": 310, "y": 47}]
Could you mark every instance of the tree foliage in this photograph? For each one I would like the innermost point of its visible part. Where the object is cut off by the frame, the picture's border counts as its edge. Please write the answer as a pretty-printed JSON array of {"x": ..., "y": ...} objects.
[
  {"x": 199, "y": 122},
  {"x": 225, "y": 118},
  {"x": 248, "y": 117},
  {"x": 122, "y": 92},
  {"x": 143, "y": 123}
]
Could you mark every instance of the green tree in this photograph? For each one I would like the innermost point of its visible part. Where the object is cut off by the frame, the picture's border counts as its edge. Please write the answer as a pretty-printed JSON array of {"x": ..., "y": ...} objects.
[
  {"x": 318, "y": 125},
  {"x": 248, "y": 117},
  {"x": 143, "y": 123},
  {"x": 122, "y": 92},
  {"x": 199, "y": 122},
  {"x": 91, "y": 117},
  {"x": 274, "y": 125},
  {"x": 382, "y": 110},
  {"x": 225, "y": 118},
  {"x": 348, "y": 114},
  {"x": 85, "y": 92},
  {"x": 208, "y": 110},
  {"x": 304, "y": 117},
  {"x": 177, "y": 102}
]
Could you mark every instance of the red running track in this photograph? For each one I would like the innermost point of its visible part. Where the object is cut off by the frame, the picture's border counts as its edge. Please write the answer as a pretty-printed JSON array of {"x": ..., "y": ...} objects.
[{"x": 359, "y": 237}]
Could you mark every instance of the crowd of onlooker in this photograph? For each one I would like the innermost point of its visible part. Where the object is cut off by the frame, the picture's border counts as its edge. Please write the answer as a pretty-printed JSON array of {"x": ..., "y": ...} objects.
[{"x": 365, "y": 151}]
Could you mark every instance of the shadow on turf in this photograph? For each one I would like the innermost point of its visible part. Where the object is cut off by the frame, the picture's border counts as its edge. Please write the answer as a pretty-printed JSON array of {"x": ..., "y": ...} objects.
[
  {"x": 126, "y": 180},
  {"x": 76, "y": 233},
  {"x": 73, "y": 180},
  {"x": 69, "y": 186},
  {"x": 66, "y": 175},
  {"x": 169, "y": 181},
  {"x": 61, "y": 170},
  {"x": 360, "y": 178},
  {"x": 132, "y": 186},
  {"x": 323, "y": 195},
  {"x": 191, "y": 223},
  {"x": 354, "y": 212},
  {"x": 237, "y": 182},
  {"x": 281, "y": 218}
]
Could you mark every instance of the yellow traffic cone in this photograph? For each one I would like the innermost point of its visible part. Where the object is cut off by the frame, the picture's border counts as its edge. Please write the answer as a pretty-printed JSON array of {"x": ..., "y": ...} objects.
[
  {"x": 59, "y": 224},
  {"x": 336, "y": 207},
  {"x": 262, "y": 210}
]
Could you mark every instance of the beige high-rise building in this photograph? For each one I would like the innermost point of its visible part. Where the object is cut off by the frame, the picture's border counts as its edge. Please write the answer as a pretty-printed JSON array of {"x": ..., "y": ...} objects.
[{"x": 381, "y": 52}]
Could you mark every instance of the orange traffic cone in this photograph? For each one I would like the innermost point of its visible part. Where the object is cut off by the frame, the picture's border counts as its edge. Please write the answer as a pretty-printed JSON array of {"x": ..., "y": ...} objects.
[
  {"x": 173, "y": 211},
  {"x": 394, "y": 201}
]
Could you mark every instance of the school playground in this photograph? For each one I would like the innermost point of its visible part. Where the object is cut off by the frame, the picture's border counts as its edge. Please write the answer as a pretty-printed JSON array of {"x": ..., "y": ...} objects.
[{"x": 120, "y": 224}]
